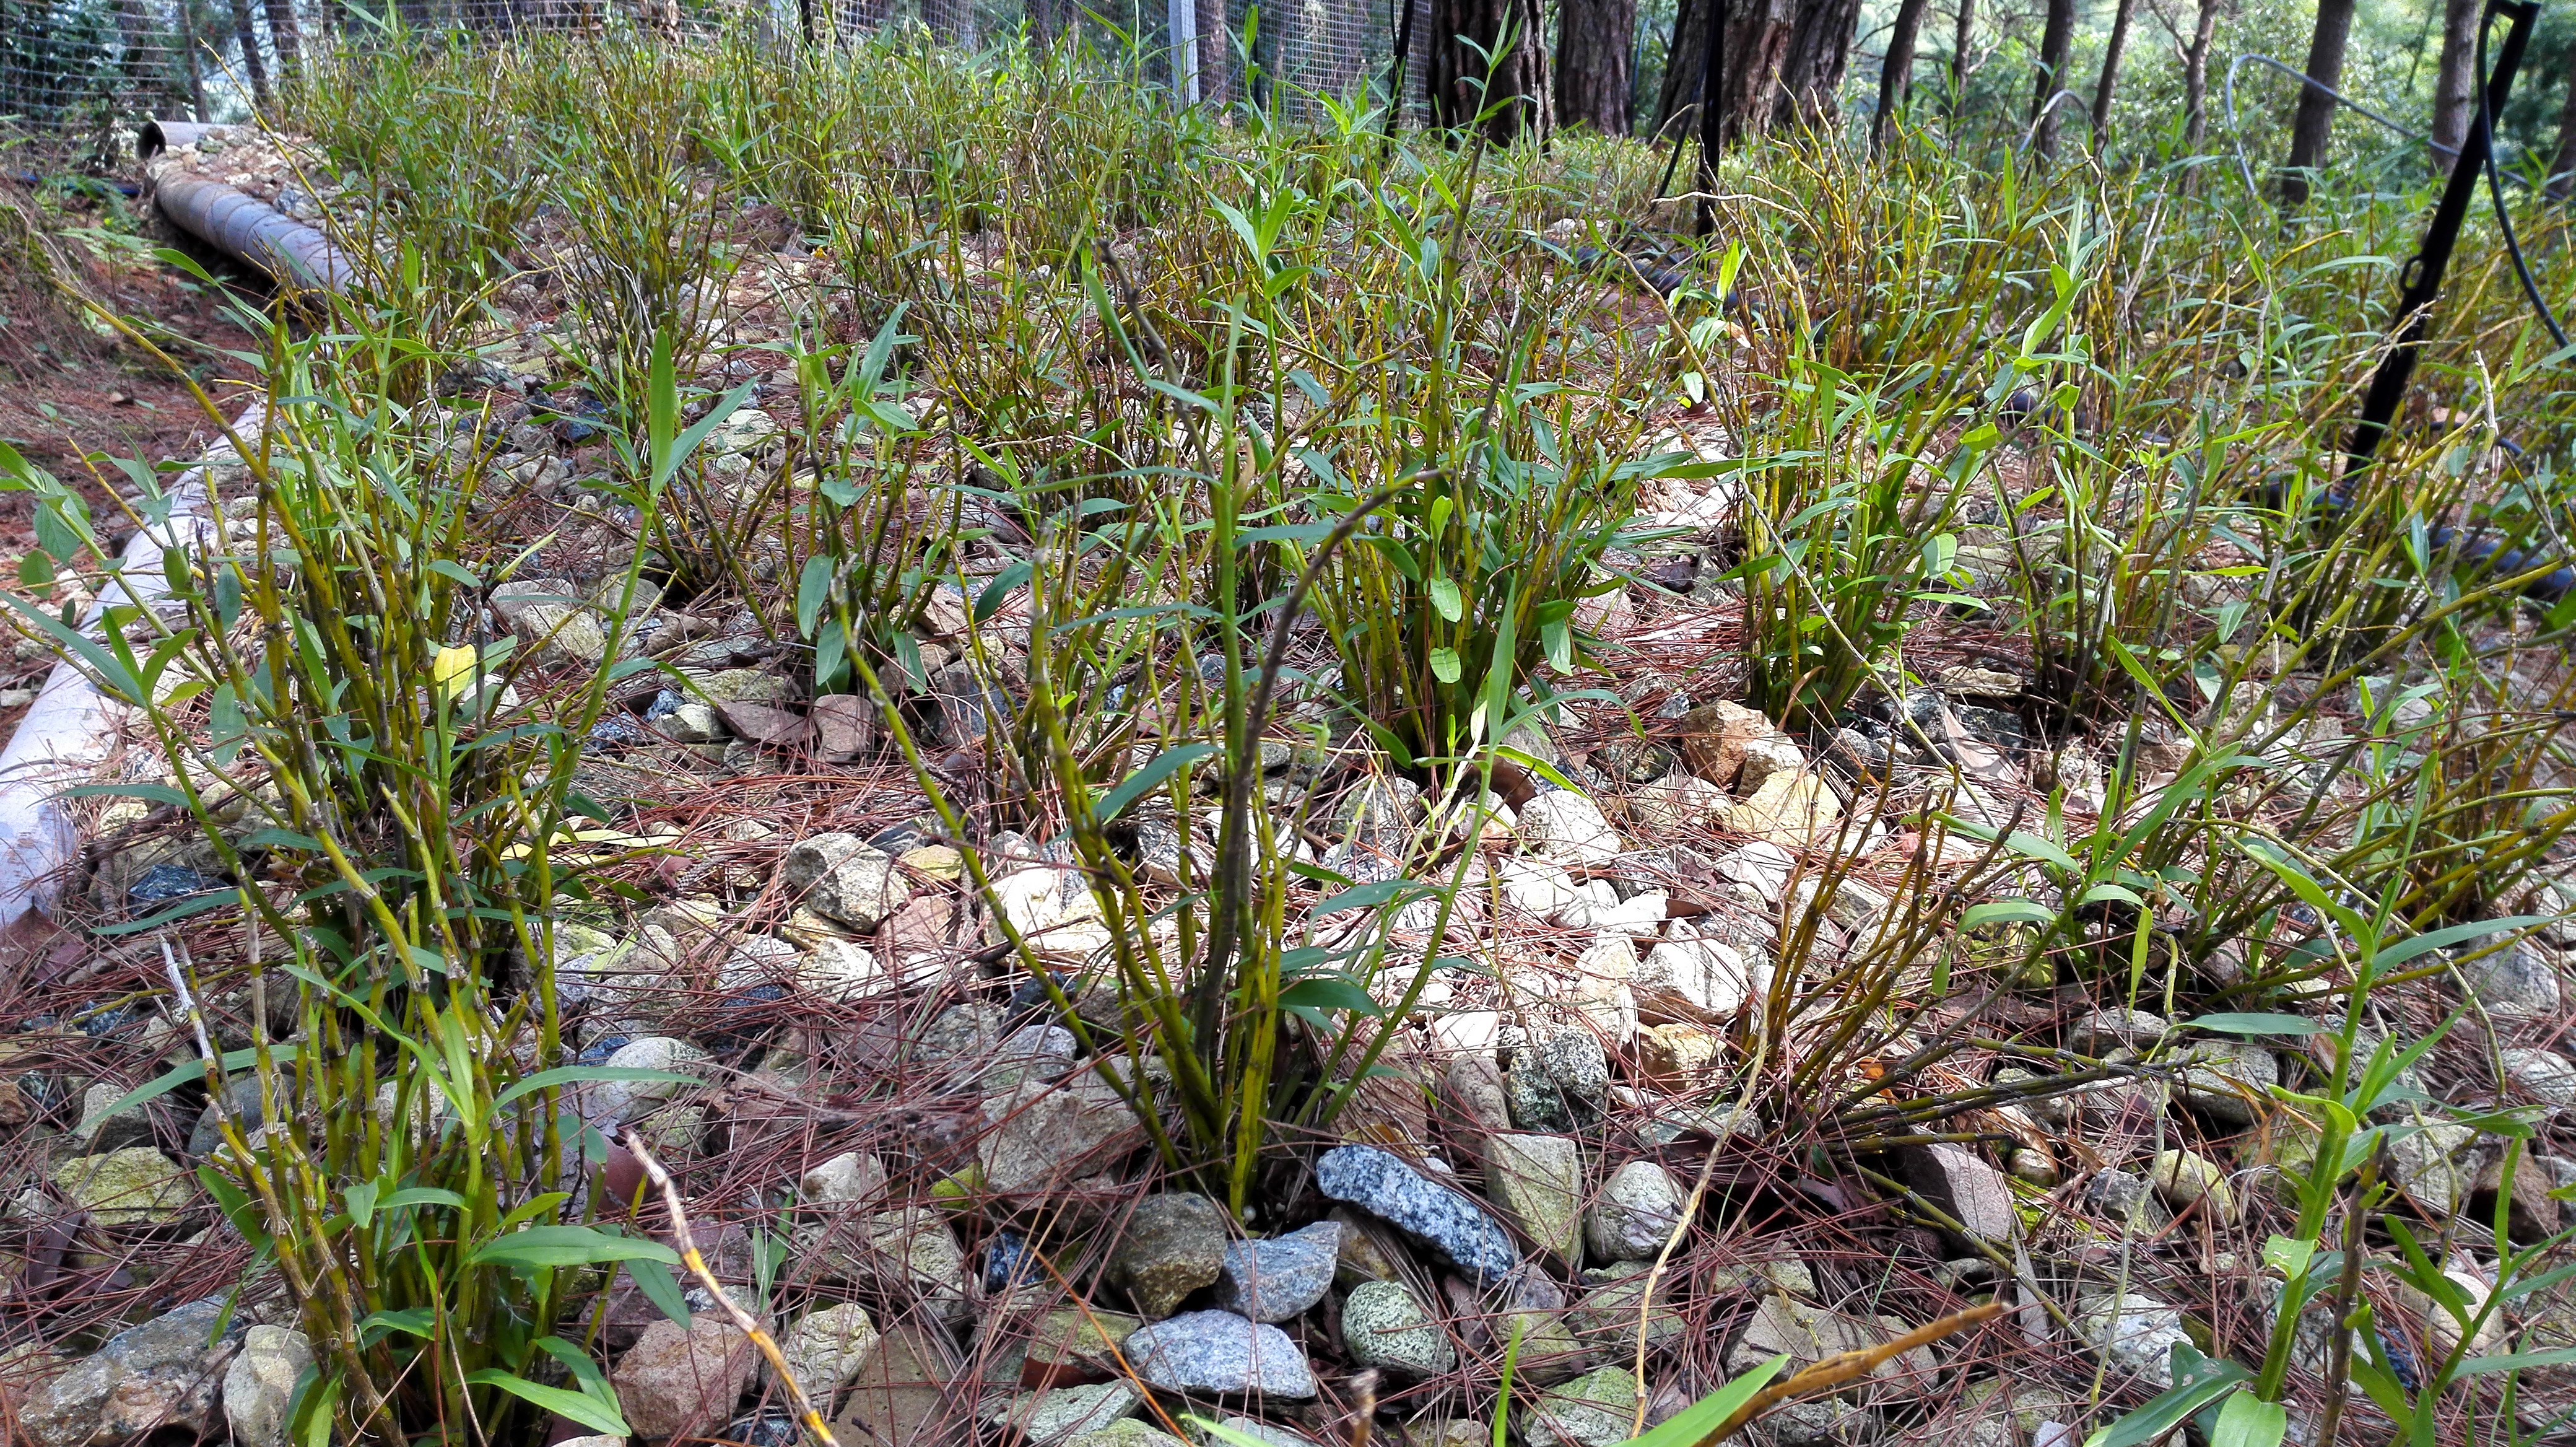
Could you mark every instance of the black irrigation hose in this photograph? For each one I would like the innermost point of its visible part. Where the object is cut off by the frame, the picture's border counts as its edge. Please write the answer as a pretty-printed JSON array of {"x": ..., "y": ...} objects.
[
  {"x": 126, "y": 189},
  {"x": 2495, "y": 182},
  {"x": 2423, "y": 285},
  {"x": 2495, "y": 192}
]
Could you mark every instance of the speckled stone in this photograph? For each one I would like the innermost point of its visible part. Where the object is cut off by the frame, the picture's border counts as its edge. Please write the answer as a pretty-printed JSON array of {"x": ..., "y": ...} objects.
[
  {"x": 1173, "y": 1245},
  {"x": 1383, "y": 1326},
  {"x": 1447, "y": 1220},
  {"x": 1277, "y": 1279},
  {"x": 1221, "y": 1354}
]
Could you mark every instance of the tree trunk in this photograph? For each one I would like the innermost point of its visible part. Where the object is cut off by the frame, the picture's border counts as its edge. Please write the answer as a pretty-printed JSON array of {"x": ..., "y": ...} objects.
[
  {"x": 253, "y": 63},
  {"x": 2055, "y": 44},
  {"x": 1759, "y": 36},
  {"x": 2195, "y": 77},
  {"x": 152, "y": 82},
  {"x": 1895, "y": 69},
  {"x": 1682, "y": 64},
  {"x": 1810, "y": 79},
  {"x": 1216, "y": 54},
  {"x": 2313, "y": 125},
  {"x": 1513, "y": 97},
  {"x": 2562, "y": 172},
  {"x": 1711, "y": 118},
  {"x": 1594, "y": 43},
  {"x": 2455, "y": 80},
  {"x": 1780, "y": 64},
  {"x": 2110, "y": 80},
  {"x": 1960, "y": 39},
  {"x": 282, "y": 34}
]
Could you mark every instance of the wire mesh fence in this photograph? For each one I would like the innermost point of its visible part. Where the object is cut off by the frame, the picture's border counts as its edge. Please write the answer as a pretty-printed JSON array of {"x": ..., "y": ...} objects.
[{"x": 75, "y": 68}]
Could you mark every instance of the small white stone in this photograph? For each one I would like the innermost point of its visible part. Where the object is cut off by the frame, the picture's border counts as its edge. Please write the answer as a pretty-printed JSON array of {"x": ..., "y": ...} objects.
[
  {"x": 1569, "y": 828},
  {"x": 261, "y": 1381},
  {"x": 852, "y": 1177}
]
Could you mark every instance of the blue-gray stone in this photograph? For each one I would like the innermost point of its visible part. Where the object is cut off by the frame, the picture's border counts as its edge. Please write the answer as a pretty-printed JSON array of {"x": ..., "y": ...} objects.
[
  {"x": 1447, "y": 1220},
  {"x": 1221, "y": 1354},
  {"x": 1277, "y": 1279}
]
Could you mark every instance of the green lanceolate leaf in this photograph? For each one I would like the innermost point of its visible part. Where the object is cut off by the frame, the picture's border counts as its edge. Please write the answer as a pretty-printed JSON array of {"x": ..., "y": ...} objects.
[
  {"x": 549, "y": 1246},
  {"x": 661, "y": 1288},
  {"x": 170, "y": 1080},
  {"x": 2198, "y": 1381},
  {"x": 566, "y": 1074},
  {"x": 2249, "y": 1421},
  {"x": 1158, "y": 768},
  {"x": 576, "y": 1406},
  {"x": 2255, "y": 1024},
  {"x": 1693, "y": 1423}
]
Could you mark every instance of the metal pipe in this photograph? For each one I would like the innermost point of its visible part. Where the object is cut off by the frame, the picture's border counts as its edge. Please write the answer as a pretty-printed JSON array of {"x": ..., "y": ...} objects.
[
  {"x": 71, "y": 728},
  {"x": 254, "y": 233},
  {"x": 246, "y": 229},
  {"x": 158, "y": 136}
]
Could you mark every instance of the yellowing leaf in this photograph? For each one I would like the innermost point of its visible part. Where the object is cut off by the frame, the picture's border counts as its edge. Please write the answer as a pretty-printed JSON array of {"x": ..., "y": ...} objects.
[{"x": 452, "y": 664}]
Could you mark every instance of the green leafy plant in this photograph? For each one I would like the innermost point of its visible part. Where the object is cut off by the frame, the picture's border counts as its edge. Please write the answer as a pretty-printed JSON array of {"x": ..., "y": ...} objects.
[
  {"x": 2342, "y": 1168},
  {"x": 872, "y": 534},
  {"x": 410, "y": 1168},
  {"x": 1846, "y": 516}
]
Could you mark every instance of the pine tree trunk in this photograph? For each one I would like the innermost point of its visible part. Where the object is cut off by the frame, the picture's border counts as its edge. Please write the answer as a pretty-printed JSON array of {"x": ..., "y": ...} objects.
[
  {"x": 2102, "y": 89},
  {"x": 1682, "y": 63},
  {"x": 1810, "y": 79},
  {"x": 1749, "y": 90},
  {"x": 2454, "y": 80},
  {"x": 283, "y": 35},
  {"x": 2055, "y": 44},
  {"x": 1895, "y": 69},
  {"x": 2195, "y": 78},
  {"x": 1781, "y": 63},
  {"x": 137, "y": 59},
  {"x": 253, "y": 63},
  {"x": 1594, "y": 45},
  {"x": 2313, "y": 125},
  {"x": 1216, "y": 54},
  {"x": 1513, "y": 98},
  {"x": 2562, "y": 172},
  {"x": 1961, "y": 38}
]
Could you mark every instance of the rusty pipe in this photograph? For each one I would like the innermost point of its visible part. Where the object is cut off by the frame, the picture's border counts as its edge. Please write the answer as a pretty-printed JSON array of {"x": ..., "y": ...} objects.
[
  {"x": 159, "y": 136},
  {"x": 242, "y": 227}
]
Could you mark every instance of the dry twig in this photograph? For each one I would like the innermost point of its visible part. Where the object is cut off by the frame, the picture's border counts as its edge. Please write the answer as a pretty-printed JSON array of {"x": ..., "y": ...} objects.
[{"x": 751, "y": 1327}]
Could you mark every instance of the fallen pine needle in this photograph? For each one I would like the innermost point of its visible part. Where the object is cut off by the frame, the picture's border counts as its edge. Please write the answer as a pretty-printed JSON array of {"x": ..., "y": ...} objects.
[{"x": 1841, "y": 1367}]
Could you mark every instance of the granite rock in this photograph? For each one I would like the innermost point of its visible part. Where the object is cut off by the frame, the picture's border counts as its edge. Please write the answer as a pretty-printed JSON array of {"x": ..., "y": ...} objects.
[
  {"x": 1174, "y": 1244},
  {"x": 1279, "y": 1278},
  {"x": 843, "y": 877},
  {"x": 827, "y": 1348},
  {"x": 2136, "y": 1334},
  {"x": 1636, "y": 1213},
  {"x": 1444, "y": 1218},
  {"x": 136, "y": 1186},
  {"x": 1221, "y": 1354},
  {"x": 159, "y": 1374},
  {"x": 1042, "y": 1134},
  {"x": 1384, "y": 1326},
  {"x": 1593, "y": 1410},
  {"x": 261, "y": 1382},
  {"x": 675, "y": 1378},
  {"x": 1537, "y": 1181}
]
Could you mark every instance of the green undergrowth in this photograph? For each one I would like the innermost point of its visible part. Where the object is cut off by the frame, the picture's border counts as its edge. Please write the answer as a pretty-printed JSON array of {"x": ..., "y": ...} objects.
[{"x": 1167, "y": 399}]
